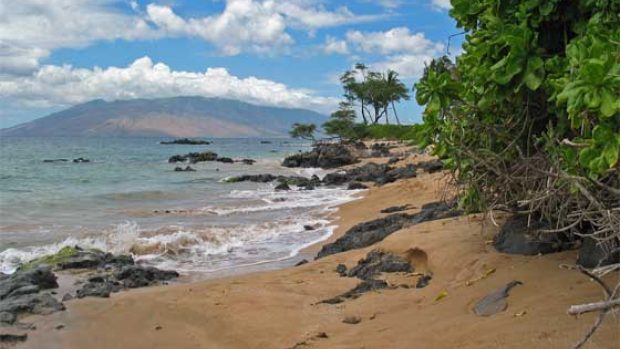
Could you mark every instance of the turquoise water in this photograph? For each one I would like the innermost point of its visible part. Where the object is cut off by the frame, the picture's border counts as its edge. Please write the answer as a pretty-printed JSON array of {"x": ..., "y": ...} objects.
[{"x": 128, "y": 199}]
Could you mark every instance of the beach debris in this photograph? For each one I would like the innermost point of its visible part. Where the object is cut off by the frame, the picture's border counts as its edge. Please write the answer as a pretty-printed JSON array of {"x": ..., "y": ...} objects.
[
  {"x": 484, "y": 275},
  {"x": 495, "y": 302},
  {"x": 393, "y": 209},
  {"x": 443, "y": 294},
  {"x": 520, "y": 314},
  {"x": 352, "y": 320},
  {"x": 378, "y": 261}
]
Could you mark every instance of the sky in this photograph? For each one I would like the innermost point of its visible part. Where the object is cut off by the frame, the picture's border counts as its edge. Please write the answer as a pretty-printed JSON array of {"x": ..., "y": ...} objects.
[{"x": 58, "y": 53}]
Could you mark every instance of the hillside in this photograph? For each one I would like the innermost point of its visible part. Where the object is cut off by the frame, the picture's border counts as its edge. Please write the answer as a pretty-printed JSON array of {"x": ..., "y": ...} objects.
[{"x": 174, "y": 117}]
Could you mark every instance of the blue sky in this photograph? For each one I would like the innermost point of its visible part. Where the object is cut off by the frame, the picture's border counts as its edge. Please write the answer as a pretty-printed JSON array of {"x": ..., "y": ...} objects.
[{"x": 54, "y": 54}]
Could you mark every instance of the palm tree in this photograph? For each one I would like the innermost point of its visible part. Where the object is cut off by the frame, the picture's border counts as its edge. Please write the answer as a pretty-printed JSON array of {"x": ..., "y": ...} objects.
[{"x": 396, "y": 91}]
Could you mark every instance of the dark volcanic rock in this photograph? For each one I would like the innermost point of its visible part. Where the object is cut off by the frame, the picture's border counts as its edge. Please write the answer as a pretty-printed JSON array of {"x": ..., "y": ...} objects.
[
  {"x": 260, "y": 178},
  {"x": 368, "y": 233},
  {"x": 593, "y": 255},
  {"x": 516, "y": 237},
  {"x": 377, "y": 262},
  {"x": 423, "y": 281},
  {"x": 394, "y": 160},
  {"x": 79, "y": 160},
  {"x": 99, "y": 288},
  {"x": 356, "y": 186},
  {"x": 495, "y": 302},
  {"x": 248, "y": 161},
  {"x": 194, "y": 157},
  {"x": 42, "y": 277},
  {"x": 323, "y": 156},
  {"x": 393, "y": 209},
  {"x": 186, "y": 169},
  {"x": 225, "y": 160},
  {"x": 7, "y": 318},
  {"x": 55, "y": 160},
  {"x": 341, "y": 269},
  {"x": 301, "y": 262},
  {"x": 40, "y": 303},
  {"x": 138, "y": 276},
  {"x": 357, "y": 291},
  {"x": 282, "y": 186},
  {"x": 186, "y": 141},
  {"x": 431, "y": 166},
  {"x": 12, "y": 338},
  {"x": 336, "y": 178},
  {"x": 177, "y": 158},
  {"x": 398, "y": 173}
]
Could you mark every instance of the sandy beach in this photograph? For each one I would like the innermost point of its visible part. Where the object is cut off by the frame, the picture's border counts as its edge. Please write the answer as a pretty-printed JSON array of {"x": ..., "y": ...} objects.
[{"x": 281, "y": 309}]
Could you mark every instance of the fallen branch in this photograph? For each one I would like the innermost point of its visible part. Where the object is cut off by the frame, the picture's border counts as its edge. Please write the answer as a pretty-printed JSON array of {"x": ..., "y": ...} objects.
[{"x": 590, "y": 307}]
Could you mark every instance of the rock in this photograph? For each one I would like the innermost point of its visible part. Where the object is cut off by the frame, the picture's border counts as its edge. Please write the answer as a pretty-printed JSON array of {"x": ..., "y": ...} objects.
[
  {"x": 97, "y": 289},
  {"x": 7, "y": 318},
  {"x": 261, "y": 178},
  {"x": 370, "y": 172},
  {"x": 516, "y": 237},
  {"x": 28, "y": 289},
  {"x": 59, "y": 327},
  {"x": 368, "y": 233},
  {"x": 67, "y": 297},
  {"x": 139, "y": 276},
  {"x": 394, "y": 160},
  {"x": 431, "y": 166},
  {"x": 341, "y": 269},
  {"x": 377, "y": 262},
  {"x": 265, "y": 142},
  {"x": 495, "y": 302},
  {"x": 336, "y": 178},
  {"x": 393, "y": 209},
  {"x": 593, "y": 255},
  {"x": 186, "y": 169},
  {"x": 380, "y": 150},
  {"x": 352, "y": 320},
  {"x": 80, "y": 160},
  {"x": 356, "y": 186},
  {"x": 357, "y": 291},
  {"x": 301, "y": 262},
  {"x": 423, "y": 281},
  {"x": 309, "y": 227},
  {"x": 41, "y": 277},
  {"x": 177, "y": 158},
  {"x": 39, "y": 303},
  {"x": 398, "y": 173},
  {"x": 248, "y": 161},
  {"x": 186, "y": 141},
  {"x": 329, "y": 155},
  {"x": 225, "y": 160},
  {"x": 12, "y": 338},
  {"x": 55, "y": 160}
]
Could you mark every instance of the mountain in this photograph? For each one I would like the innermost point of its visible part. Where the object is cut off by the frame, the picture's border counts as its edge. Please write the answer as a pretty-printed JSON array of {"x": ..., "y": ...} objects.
[{"x": 167, "y": 117}]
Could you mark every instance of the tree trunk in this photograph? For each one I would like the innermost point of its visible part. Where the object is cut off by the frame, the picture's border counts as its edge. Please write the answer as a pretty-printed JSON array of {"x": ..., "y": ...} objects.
[
  {"x": 395, "y": 115},
  {"x": 387, "y": 119},
  {"x": 363, "y": 114}
]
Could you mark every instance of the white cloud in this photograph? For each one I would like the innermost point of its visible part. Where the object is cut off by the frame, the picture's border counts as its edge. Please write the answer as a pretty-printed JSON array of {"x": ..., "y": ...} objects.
[
  {"x": 333, "y": 45},
  {"x": 64, "y": 85},
  {"x": 442, "y": 4},
  {"x": 31, "y": 29},
  {"x": 402, "y": 51}
]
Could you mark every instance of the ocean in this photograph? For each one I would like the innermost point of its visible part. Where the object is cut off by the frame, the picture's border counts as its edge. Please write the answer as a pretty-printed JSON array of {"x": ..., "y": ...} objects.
[{"x": 129, "y": 199}]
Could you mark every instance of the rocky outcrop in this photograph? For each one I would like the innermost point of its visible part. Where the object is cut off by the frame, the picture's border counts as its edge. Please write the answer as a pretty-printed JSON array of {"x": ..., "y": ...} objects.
[
  {"x": 186, "y": 141},
  {"x": 186, "y": 169},
  {"x": 330, "y": 155},
  {"x": 519, "y": 235},
  {"x": 371, "y": 172},
  {"x": 431, "y": 166},
  {"x": 393, "y": 209},
  {"x": 80, "y": 160},
  {"x": 139, "y": 276},
  {"x": 357, "y": 291},
  {"x": 368, "y": 233},
  {"x": 377, "y": 262},
  {"x": 357, "y": 186},
  {"x": 194, "y": 157},
  {"x": 225, "y": 160}
]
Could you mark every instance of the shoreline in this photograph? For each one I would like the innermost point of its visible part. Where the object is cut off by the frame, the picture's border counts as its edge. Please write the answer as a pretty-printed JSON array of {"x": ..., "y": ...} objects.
[{"x": 279, "y": 308}]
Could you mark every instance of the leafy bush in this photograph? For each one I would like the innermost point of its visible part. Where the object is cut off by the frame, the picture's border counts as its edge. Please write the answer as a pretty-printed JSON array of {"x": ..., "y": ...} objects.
[{"x": 529, "y": 116}]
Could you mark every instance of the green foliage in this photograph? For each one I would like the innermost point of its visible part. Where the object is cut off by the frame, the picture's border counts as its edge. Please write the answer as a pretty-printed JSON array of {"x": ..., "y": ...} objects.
[
  {"x": 392, "y": 132},
  {"x": 303, "y": 131},
  {"x": 536, "y": 77}
]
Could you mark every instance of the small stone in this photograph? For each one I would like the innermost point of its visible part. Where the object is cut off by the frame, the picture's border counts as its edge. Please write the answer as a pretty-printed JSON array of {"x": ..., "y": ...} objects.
[
  {"x": 301, "y": 262},
  {"x": 60, "y": 327},
  {"x": 67, "y": 297},
  {"x": 157, "y": 328},
  {"x": 423, "y": 281},
  {"x": 322, "y": 335},
  {"x": 341, "y": 269},
  {"x": 352, "y": 320}
]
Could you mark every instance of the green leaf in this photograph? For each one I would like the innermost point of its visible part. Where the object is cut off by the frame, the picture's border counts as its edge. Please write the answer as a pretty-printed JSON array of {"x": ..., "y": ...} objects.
[
  {"x": 535, "y": 73},
  {"x": 611, "y": 153}
]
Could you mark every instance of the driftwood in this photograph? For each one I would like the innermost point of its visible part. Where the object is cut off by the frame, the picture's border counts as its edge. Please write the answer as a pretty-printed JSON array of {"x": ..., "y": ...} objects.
[{"x": 604, "y": 307}]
